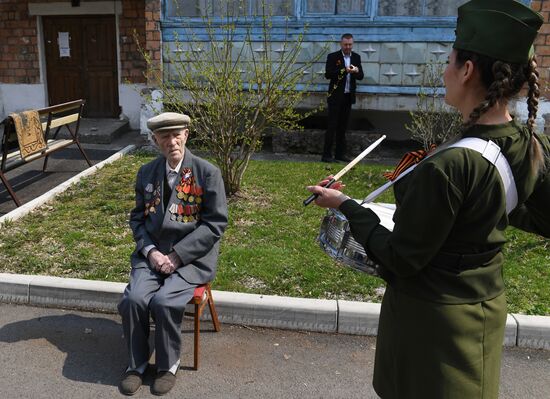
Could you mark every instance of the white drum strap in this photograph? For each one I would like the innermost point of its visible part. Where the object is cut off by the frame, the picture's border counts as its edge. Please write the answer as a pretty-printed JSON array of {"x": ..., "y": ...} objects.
[{"x": 490, "y": 151}]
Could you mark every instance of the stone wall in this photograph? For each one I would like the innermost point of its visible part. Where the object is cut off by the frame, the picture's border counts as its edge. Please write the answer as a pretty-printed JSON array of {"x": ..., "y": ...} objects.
[{"x": 311, "y": 141}]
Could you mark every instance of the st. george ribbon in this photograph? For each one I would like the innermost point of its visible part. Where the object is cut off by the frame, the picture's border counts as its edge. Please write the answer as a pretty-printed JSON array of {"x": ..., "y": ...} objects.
[{"x": 345, "y": 170}]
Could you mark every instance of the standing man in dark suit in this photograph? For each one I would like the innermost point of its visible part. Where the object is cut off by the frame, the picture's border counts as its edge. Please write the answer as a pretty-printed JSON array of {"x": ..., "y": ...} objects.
[
  {"x": 177, "y": 223},
  {"x": 343, "y": 68}
]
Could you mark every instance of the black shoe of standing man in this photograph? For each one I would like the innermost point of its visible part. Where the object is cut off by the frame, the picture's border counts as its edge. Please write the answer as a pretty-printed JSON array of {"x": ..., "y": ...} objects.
[{"x": 327, "y": 159}]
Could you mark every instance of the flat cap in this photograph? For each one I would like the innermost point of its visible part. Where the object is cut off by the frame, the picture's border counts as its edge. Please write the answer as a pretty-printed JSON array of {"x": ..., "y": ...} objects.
[
  {"x": 501, "y": 29},
  {"x": 168, "y": 121}
]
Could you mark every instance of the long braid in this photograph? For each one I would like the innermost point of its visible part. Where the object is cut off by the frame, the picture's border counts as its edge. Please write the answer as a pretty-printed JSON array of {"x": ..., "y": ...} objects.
[
  {"x": 533, "y": 93},
  {"x": 498, "y": 90},
  {"x": 536, "y": 153}
]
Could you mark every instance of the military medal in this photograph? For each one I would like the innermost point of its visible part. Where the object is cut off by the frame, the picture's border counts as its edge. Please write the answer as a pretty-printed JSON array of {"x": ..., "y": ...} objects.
[
  {"x": 189, "y": 193},
  {"x": 149, "y": 188},
  {"x": 173, "y": 210}
]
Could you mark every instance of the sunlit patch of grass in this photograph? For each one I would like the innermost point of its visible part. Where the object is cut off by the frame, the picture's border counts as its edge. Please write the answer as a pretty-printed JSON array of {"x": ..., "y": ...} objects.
[{"x": 269, "y": 247}]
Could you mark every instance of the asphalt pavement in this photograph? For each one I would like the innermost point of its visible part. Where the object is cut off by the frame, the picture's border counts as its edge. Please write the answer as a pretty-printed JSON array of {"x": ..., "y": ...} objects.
[
  {"x": 68, "y": 354},
  {"x": 29, "y": 181}
]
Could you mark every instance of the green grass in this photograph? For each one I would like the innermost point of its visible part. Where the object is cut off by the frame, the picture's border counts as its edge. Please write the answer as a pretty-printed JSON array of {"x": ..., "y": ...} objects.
[{"x": 269, "y": 246}]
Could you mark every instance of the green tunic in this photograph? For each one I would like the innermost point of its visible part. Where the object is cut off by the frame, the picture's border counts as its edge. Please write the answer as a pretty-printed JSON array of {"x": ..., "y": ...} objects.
[{"x": 441, "y": 330}]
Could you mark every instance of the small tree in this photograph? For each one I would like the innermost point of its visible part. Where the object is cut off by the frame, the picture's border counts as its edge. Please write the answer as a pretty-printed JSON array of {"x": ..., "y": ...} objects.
[
  {"x": 236, "y": 85},
  {"x": 433, "y": 122}
]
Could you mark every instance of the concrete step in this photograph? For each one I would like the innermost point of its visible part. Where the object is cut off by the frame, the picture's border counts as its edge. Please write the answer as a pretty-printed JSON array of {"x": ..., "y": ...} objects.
[{"x": 98, "y": 130}]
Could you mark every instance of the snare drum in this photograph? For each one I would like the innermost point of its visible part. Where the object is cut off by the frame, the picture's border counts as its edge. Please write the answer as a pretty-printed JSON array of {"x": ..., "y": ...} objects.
[{"x": 336, "y": 240}]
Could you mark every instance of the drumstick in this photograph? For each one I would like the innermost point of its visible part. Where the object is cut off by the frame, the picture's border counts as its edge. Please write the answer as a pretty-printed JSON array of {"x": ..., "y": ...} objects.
[{"x": 347, "y": 168}]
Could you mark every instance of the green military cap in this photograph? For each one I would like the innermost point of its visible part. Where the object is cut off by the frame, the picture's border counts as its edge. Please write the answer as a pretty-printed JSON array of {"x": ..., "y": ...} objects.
[
  {"x": 168, "y": 121},
  {"x": 501, "y": 29}
]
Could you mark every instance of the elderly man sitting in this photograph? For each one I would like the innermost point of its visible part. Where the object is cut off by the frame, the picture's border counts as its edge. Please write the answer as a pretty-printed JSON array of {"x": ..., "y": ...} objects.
[{"x": 177, "y": 223}]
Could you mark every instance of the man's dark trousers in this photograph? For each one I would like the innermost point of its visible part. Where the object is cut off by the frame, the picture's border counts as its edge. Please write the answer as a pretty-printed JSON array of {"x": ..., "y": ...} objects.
[{"x": 338, "y": 115}]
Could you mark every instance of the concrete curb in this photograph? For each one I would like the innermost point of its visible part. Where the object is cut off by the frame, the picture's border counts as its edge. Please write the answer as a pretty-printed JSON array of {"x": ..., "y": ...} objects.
[
  {"x": 275, "y": 311},
  {"x": 320, "y": 315},
  {"x": 25, "y": 209},
  {"x": 533, "y": 331}
]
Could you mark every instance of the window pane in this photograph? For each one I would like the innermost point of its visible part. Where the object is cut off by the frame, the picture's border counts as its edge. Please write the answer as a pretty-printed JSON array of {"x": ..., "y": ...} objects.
[
  {"x": 232, "y": 8},
  {"x": 443, "y": 8},
  {"x": 412, "y": 8},
  {"x": 276, "y": 7},
  {"x": 185, "y": 8},
  {"x": 197, "y": 8},
  {"x": 321, "y": 6},
  {"x": 350, "y": 7}
]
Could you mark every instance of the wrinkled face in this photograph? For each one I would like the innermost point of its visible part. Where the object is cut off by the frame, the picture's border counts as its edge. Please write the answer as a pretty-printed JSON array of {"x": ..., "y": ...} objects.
[
  {"x": 451, "y": 81},
  {"x": 172, "y": 144},
  {"x": 346, "y": 45}
]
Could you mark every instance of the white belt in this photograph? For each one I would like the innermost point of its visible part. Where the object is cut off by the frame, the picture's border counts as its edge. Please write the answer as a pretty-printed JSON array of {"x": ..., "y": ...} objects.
[{"x": 490, "y": 151}]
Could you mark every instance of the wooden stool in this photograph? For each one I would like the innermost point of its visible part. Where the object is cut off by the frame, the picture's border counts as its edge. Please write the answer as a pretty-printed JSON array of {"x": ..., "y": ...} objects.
[{"x": 201, "y": 297}]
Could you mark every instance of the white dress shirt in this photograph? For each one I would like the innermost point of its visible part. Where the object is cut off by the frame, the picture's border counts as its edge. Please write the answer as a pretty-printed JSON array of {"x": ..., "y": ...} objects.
[{"x": 347, "y": 63}]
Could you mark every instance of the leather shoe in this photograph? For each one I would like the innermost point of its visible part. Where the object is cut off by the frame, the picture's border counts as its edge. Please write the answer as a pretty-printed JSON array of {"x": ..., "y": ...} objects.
[
  {"x": 130, "y": 383},
  {"x": 164, "y": 382},
  {"x": 327, "y": 159}
]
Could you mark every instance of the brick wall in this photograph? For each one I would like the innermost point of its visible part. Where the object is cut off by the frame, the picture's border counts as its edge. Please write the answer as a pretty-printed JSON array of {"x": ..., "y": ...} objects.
[
  {"x": 542, "y": 46},
  {"x": 18, "y": 44},
  {"x": 153, "y": 39},
  {"x": 132, "y": 27},
  {"x": 141, "y": 21}
]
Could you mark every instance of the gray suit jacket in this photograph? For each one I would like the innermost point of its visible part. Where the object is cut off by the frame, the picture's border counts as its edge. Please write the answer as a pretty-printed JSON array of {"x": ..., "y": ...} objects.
[{"x": 195, "y": 242}]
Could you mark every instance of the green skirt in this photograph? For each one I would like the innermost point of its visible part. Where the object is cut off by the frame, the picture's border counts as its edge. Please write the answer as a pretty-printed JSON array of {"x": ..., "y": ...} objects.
[{"x": 432, "y": 350}]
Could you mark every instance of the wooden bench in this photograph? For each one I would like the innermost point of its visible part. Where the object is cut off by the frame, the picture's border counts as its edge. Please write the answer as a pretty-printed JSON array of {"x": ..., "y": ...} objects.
[{"x": 53, "y": 119}]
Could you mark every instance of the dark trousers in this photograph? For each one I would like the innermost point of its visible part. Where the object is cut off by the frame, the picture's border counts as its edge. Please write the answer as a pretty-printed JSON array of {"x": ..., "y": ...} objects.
[
  {"x": 338, "y": 115},
  {"x": 164, "y": 297}
]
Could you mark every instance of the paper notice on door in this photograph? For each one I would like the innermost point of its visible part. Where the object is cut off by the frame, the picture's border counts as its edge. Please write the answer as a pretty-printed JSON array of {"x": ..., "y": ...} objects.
[{"x": 63, "y": 42}]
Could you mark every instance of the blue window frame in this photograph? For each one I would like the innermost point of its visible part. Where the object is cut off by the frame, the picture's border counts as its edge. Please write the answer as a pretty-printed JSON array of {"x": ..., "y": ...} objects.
[
  {"x": 336, "y": 7},
  {"x": 215, "y": 8},
  {"x": 404, "y": 11}
]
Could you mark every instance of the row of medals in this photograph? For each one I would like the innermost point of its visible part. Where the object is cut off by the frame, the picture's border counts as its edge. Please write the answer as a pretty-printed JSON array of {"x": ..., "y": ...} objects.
[
  {"x": 189, "y": 192},
  {"x": 155, "y": 201}
]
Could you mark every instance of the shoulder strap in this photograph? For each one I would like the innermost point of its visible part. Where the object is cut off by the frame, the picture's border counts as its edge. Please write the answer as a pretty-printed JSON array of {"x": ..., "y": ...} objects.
[{"x": 492, "y": 152}]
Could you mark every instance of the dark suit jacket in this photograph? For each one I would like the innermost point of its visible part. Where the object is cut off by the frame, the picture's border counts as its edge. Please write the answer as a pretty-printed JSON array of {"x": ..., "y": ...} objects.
[
  {"x": 195, "y": 242},
  {"x": 335, "y": 70}
]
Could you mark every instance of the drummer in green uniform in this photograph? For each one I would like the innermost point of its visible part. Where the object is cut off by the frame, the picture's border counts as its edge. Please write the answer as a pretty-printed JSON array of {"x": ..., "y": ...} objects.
[{"x": 443, "y": 314}]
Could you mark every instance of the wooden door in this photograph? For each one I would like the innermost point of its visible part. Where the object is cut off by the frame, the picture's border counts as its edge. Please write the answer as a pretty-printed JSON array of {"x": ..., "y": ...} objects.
[{"x": 88, "y": 67}]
